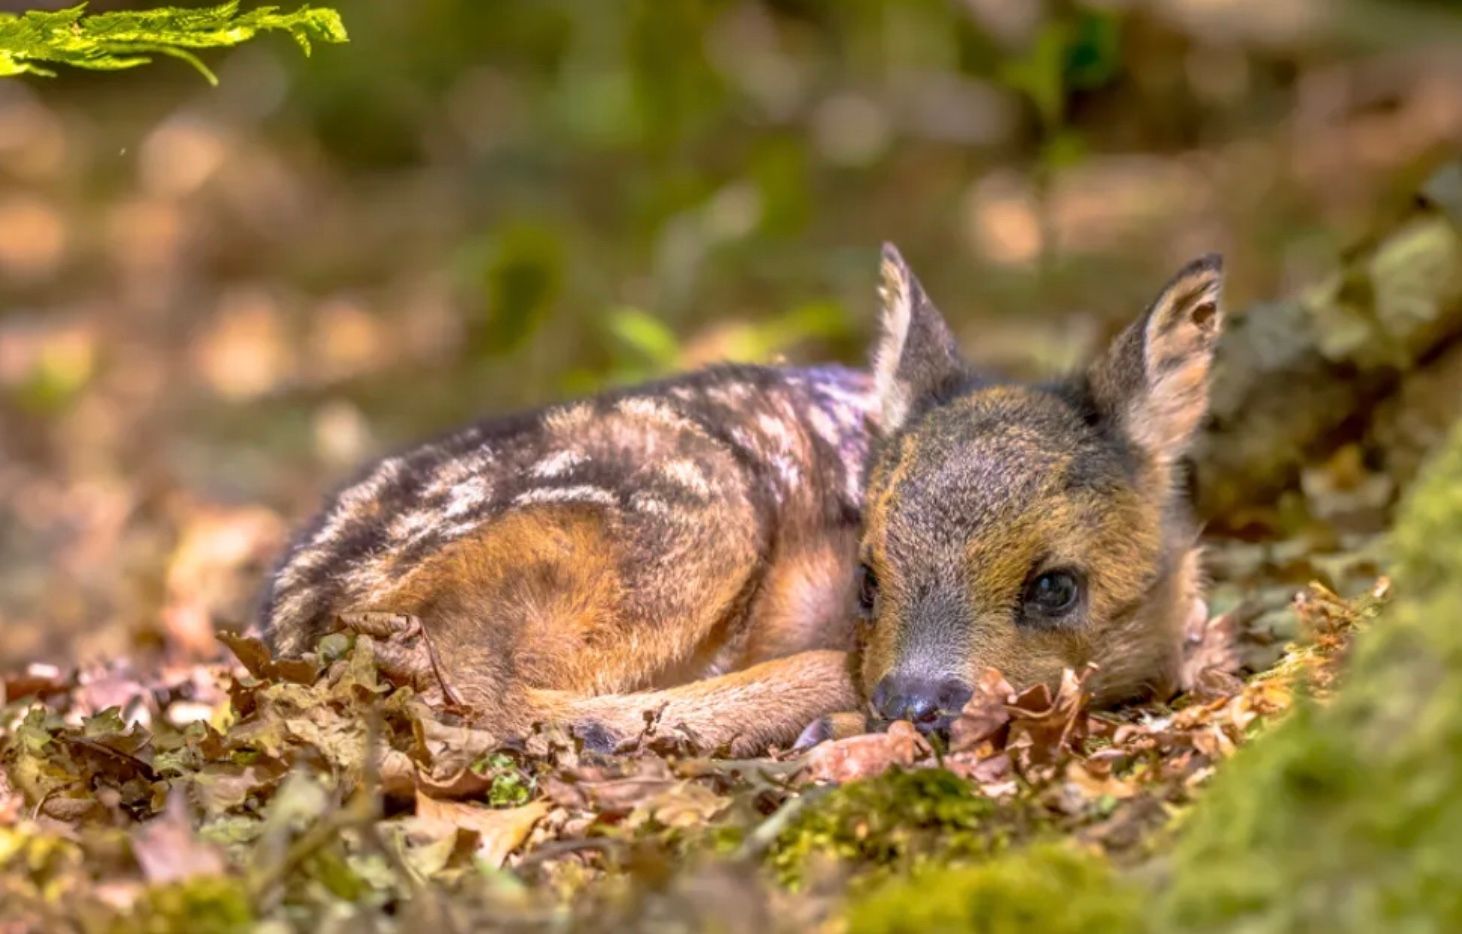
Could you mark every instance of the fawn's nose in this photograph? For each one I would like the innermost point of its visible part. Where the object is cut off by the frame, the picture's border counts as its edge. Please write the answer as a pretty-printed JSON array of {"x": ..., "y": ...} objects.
[{"x": 927, "y": 703}]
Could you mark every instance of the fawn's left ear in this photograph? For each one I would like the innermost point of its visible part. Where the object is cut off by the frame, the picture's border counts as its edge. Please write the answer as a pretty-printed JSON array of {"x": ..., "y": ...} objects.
[
  {"x": 1153, "y": 380},
  {"x": 915, "y": 354}
]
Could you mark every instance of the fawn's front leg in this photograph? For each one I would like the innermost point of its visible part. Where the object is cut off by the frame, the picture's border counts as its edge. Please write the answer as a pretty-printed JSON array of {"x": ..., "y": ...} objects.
[{"x": 744, "y": 711}]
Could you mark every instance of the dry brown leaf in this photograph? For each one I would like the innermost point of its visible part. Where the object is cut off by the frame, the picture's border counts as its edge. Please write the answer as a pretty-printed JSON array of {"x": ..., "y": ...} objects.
[
  {"x": 684, "y": 805},
  {"x": 37, "y": 680},
  {"x": 1095, "y": 780},
  {"x": 255, "y": 656},
  {"x": 845, "y": 760},
  {"x": 499, "y": 831},
  {"x": 1211, "y": 654},
  {"x": 613, "y": 789},
  {"x": 985, "y": 715},
  {"x": 168, "y": 850},
  {"x": 1043, "y": 727}
]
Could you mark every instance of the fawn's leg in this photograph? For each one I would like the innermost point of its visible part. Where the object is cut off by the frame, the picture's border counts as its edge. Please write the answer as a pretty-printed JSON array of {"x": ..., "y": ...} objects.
[
  {"x": 559, "y": 601},
  {"x": 745, "y": 711}
]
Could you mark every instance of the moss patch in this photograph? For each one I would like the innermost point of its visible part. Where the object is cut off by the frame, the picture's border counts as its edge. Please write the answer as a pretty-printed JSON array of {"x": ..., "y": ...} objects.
[
  {"x": 1349, "y": 817},
  {"x": 1050, "y": 888},
  {"x": 897, "y": 821}
]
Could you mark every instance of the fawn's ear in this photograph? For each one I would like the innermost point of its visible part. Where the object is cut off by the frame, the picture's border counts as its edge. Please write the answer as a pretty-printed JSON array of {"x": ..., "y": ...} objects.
[
  {"x": 1153, "y": 380},
  {"x": 915, "y": 354}
]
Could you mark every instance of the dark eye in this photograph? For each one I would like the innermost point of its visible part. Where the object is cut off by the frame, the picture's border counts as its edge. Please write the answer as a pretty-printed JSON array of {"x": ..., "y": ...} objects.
[
  {"x": 1053, "y": 593},
  {"x": 867, "y": 591}
]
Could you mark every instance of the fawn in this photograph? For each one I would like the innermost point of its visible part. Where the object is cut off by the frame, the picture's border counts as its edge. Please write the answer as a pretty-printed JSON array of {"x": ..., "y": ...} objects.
[{"x": 744, "y": 552}]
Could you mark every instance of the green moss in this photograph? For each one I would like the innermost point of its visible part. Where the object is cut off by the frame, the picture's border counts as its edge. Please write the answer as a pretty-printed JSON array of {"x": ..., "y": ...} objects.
[
  {"x": 203, "y": 905},
  {"x": 1048, "y": 888},
  {"x": 1349, "y": 817},
  {"x": 898, "y": 820}
]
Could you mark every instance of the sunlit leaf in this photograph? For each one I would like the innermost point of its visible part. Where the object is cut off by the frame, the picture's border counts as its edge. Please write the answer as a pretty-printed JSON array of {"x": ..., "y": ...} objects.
[{"x": 32, "y": 41}]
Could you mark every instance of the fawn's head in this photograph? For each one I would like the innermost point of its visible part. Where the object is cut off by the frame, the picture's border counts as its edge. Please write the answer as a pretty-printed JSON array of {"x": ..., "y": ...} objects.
[{"x": 1030, "y": 528}]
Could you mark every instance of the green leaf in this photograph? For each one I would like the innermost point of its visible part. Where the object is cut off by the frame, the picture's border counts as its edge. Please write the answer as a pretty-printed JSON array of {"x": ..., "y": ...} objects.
[
  {"x": 646, "y": 336},
  {"x": 112, "y": 41}
]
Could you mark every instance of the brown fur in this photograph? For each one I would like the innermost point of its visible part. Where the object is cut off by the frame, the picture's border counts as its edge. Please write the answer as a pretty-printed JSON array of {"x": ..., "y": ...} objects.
[
  {"x": 685, "y": 553},
  {"x": 563, "y": 639},
  {"x": 982, "y": 488}
]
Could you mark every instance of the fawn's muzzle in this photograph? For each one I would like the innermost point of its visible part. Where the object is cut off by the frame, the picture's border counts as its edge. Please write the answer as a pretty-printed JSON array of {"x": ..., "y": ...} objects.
[{"x": 929, "y": 704}]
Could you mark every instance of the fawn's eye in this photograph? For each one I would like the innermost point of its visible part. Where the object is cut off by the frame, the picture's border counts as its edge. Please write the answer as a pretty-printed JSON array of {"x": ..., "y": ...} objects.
[
  {"x": 1052, "y": 594},
  {"x": 867, "y": 591}
]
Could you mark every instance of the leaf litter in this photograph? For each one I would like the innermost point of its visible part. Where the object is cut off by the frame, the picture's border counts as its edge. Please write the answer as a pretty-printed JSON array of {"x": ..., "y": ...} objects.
[{"x": 344, "y": 786}]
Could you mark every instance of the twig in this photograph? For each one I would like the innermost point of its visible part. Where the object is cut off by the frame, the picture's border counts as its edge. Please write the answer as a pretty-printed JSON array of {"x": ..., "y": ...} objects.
[
  {"x": 766, "y": 833},
  {"x": 558, "y": 848}
]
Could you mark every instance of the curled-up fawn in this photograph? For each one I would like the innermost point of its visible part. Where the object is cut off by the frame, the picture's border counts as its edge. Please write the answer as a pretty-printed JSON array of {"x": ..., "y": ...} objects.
[{"x": 746, "y": 551}]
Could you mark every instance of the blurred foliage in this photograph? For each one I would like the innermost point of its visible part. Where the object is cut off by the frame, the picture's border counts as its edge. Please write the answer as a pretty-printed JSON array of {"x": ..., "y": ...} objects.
[
  {"x": 1047, "y": 887},
  {"x": 113, "y": 41},
  {"x": 1349, "y": 817}
]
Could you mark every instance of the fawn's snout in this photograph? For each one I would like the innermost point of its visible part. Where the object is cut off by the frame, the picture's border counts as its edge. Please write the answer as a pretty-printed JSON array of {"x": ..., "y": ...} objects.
[{"x": 929, "y": 703}]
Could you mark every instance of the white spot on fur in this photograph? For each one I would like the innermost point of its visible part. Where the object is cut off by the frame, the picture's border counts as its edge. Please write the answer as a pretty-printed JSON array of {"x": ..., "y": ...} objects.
[
  {"x": 646, "y": 502},
  {"x": 349, "y": 505},
  {"x": 862, "y": 404},
  {"x": 730, "y": 395},
  {"x": 776, "y": 431},
  {"x": 824, "y": 426},
  {"x": 467, "y": 496},
  {"x": 368, "y": 578},
  {"x": 458, "y": 529},
  {"x": 408, "y": 525},
  {"x": 853, "y": 461},
  {"x": 569, "y": 418},
  {"x": 457, "y": 470},
  {"x": 788, "y": 470},
  {"x": 558, "y": 464},
  {"x": 566, "y": 494},
  {"x": 652, "y": 410},
  {"x": 293, "y": 573},
  {"x": 288, "y": 610},
  {"x": 687, "y": 473}
]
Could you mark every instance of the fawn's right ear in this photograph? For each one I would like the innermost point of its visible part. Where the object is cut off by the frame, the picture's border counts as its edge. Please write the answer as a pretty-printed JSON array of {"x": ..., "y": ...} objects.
[{"x": 915, "y": 354}]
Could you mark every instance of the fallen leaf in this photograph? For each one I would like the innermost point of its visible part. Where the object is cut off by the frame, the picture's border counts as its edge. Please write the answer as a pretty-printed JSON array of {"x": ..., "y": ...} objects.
[
  {"x": 168, "y": 849},
  {"x": 856, "y": 757},
  {"x": 255, "y": 656},
  {"x": 1042, "y": 727},
  {"x": 613, "y": 789},
  {"x": 499, "y": 831},
  {"x": 684, "y": 805},
  {"x": 985, "y": 715},
  {"x": 1095, "y": 780},
  {"x": 1210, "y": 649},
  {"x": 37, "y": 680}
]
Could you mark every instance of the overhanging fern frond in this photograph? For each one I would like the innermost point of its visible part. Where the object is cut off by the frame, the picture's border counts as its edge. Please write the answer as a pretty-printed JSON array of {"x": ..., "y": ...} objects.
[{"x": 30, "y": 42}]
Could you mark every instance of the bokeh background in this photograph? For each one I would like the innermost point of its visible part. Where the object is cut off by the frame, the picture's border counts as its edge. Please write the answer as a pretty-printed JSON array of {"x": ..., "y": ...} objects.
[{"x": 215, "y": 302}]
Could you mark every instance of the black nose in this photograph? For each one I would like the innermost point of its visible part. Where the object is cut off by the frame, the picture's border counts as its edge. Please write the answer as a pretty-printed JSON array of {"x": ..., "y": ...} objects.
[{"x": 928, "y": 703}]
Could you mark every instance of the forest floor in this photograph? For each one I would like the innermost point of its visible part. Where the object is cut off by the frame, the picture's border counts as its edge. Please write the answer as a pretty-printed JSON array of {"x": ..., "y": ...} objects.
[{"x": 314, "y": 791}]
